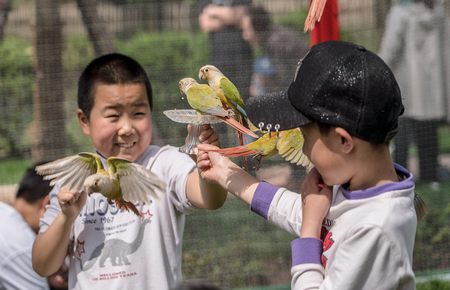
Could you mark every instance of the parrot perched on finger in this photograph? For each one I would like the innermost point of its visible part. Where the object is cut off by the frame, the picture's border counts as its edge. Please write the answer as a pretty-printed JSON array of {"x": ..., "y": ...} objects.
[
  {"x": 287, "y": 143},
  {"x": 124, "y": 182},
  {"x": 204, "y": 100}
]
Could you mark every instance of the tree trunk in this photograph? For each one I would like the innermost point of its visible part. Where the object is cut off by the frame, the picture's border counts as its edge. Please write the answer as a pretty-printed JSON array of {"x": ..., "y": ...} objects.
[
  {"x": 5, "y": 6},
  {"x": 48, "y": 98},
  {"x": 99, "y": 35}
]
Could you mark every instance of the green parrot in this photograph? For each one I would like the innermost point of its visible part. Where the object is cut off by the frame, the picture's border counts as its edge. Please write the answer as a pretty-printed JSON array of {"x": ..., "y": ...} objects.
[
  {"x": 227, "y": 92},
  {"x": 204, "y": 100},
  {"x": 287, "y": 143},
  {"x": 124, "y": 182}
]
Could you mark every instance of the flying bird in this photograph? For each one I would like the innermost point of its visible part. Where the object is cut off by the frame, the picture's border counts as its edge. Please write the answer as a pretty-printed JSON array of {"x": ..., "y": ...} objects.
[
  {"x": 123, "y": 182},
  {"x": 204, "y": 100}
]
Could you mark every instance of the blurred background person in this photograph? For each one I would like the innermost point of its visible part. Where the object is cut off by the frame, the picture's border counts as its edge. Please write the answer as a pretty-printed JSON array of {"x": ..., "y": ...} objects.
[
  {"x": 18, "y": 228},
  {"x": 416, "y": 46},
  {"x": 277, "y": 50},
  {"x": 229, "y": 51}
]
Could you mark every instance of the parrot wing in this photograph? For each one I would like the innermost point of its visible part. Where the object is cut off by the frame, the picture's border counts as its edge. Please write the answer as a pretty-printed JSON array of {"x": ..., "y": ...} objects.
[
  {"x": 70, "y": 171},
  {"x": 136, "y": 182},
  {"x": 290, "y": 147},
  {"x": 205, "y": 100},
  {"x": 232, "y": 94}
]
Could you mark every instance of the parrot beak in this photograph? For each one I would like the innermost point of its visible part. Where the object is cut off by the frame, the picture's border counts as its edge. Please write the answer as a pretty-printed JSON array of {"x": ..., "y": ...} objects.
[{"x": 201, "y": 74}]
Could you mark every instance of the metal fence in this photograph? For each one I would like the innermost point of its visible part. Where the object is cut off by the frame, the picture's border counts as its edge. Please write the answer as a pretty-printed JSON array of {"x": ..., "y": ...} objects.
[{"x": 230, "y": 247}]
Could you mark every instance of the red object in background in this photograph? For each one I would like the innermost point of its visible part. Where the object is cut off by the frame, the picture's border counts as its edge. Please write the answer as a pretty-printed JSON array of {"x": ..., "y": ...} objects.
[{"x": 328, "y": 27}]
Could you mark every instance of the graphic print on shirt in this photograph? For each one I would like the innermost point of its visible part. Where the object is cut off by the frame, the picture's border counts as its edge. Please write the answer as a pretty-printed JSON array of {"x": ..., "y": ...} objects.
[
  {"x": 115, "y": 250},
  {"x": 326, "y": 237}
]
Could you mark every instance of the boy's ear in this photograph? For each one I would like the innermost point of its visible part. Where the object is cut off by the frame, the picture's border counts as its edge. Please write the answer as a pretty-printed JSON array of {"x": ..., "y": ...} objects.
[
  {"x": 42, "y": 204},
  {"x": 346, "y": 140},
  {"x": 84, "y": 122}
]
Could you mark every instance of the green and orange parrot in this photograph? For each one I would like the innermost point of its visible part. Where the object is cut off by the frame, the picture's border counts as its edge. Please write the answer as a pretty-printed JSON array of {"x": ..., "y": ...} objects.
[
  {"x": 124, "y": 182},
  {"x": 204, "y": 100},
  {"x": 287, "y": 143},
  {"x": 227, "y": 92}
]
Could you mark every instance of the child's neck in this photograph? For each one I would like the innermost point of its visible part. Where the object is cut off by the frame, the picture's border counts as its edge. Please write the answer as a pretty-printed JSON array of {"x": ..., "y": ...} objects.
[{"x": 376, "y": 169}]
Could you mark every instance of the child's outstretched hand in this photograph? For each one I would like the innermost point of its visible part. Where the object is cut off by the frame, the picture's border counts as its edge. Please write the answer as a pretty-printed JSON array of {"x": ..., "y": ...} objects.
[
  {"x": 212, "y": 165},
  {"x": 316, "y": 201},
  {"x": 216, "y": 168},
  {"x": 71, "y": 202}
]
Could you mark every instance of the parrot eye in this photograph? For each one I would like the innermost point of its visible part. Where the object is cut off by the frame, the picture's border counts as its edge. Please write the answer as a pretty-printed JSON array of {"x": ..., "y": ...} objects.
[{"x": 206, "y": 70}]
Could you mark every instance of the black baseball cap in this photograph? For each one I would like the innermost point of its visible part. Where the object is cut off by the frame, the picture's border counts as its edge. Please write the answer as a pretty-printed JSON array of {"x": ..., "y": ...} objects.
[{"x": 340, "y": 84}]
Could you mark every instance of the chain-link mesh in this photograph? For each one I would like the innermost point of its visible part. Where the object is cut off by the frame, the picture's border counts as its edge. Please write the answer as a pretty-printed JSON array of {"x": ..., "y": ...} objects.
[{"x": 43, "y": 50}]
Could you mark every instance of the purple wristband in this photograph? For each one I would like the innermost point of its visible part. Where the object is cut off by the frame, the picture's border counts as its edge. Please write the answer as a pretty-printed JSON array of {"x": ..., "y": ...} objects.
[
  {"x": 306, "y": 251},
  {"x": 262, "y": 198}
]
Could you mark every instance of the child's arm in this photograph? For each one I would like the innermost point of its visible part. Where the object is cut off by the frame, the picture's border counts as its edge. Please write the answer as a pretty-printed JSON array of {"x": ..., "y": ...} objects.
[
  {"x": 277, "y": 205},
  {"x": 200, "y": 192},
  {"x": 307, "y": 250},
  {"x": 216, "y": 168},
  {"x": 50, "y": 247}
]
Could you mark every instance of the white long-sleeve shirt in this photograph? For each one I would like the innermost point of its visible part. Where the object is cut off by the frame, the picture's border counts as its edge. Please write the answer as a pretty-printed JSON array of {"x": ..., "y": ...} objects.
[{"x": 367, "y": 238}]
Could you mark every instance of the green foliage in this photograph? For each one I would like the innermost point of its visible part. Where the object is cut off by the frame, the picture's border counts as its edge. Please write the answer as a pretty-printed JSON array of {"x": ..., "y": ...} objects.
[
  {"x": 434, "y": 285},
  {"x": 16, "y": 80},
  {"x": 433, "y": 231},
  {"x": 168, "y": 57},
  {"x": 78, "y": 52},
  {"x": 11, "y": 170},
  {"x": 444, "y": 139},
  {"x": 294, "y": 19}
]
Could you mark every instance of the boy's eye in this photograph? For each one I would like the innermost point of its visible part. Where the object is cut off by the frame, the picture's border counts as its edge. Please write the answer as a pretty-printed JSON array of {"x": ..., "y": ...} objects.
[{"x": 112, "y": 116}]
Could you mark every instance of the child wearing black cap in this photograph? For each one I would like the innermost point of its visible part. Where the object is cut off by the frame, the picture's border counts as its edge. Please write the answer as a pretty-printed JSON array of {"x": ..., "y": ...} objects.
[{"x": 355, "y": 215}]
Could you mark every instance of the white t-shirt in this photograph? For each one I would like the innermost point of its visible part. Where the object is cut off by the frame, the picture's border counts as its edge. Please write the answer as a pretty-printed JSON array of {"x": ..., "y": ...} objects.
[
  {"x": 16, "y": 241},
  {"x": 115, "y": 249},
  {"x": 367, "y": 237}
]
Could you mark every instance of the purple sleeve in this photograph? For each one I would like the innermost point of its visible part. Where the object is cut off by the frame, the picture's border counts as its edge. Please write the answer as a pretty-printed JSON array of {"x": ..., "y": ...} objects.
[
  {"x": 306, "y": 251},
  {"x": 262, "y": 198}
]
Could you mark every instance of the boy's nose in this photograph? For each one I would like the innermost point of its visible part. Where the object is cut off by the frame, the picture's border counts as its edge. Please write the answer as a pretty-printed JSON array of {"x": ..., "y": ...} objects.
[{"x": 126, "y": 128}]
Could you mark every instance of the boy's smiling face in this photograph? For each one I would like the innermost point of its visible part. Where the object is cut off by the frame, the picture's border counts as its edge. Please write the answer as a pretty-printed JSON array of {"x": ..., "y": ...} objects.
[{"x": 120, "y": 121}]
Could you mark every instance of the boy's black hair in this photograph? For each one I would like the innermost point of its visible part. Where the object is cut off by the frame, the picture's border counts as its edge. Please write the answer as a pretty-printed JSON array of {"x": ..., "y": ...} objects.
[
  {"x": 33, "y": 187},
  {"x": 110, "y": 69}
]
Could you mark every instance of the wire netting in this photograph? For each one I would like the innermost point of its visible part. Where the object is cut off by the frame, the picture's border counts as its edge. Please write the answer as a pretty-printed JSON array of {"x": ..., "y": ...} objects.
[{"x": 44, "y": 49}]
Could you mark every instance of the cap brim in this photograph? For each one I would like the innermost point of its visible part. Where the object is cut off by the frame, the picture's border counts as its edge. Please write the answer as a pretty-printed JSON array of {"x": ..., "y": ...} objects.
[{"x": 274, "y": 108}]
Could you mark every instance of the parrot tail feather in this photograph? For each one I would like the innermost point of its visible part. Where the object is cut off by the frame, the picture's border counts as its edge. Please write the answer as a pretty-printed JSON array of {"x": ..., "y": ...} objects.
[
  {"x": 126, "y": 205},
  {"x": 239, "y": 127},
  {"x": 235, "y": 151}
]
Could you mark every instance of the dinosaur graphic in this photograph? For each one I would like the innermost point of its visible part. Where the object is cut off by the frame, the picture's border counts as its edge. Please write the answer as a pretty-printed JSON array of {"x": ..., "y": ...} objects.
[{"x": 116, "y": 250}]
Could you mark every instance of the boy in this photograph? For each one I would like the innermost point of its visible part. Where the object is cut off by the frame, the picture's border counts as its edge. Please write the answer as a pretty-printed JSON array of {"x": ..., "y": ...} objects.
[
  {"x": 111, "y": 248},
  {"x": 20, "y": 223},
  {"x": 359, "y": 234}
]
